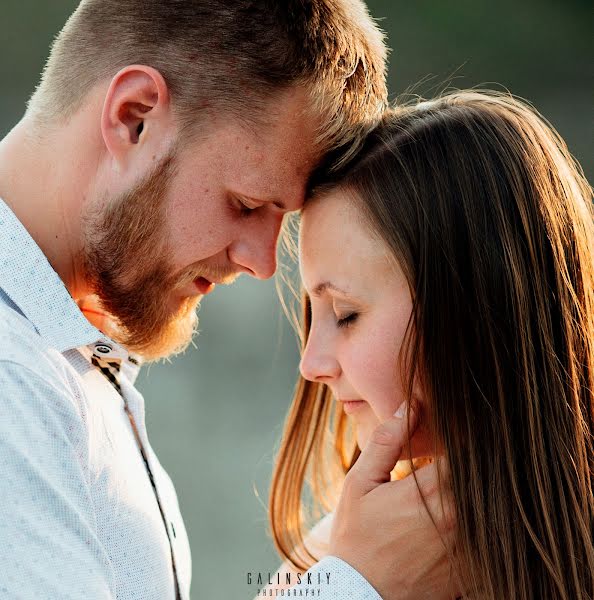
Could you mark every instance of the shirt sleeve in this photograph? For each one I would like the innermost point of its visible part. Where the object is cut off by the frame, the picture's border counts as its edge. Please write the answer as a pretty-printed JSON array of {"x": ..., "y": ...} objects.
[
  {"x": 334, "y": 579},
  {"x": 48, "y": 542}
]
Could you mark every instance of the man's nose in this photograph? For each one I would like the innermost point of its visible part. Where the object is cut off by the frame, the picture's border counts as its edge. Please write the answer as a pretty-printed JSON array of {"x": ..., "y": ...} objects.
[
  {"x": 318, "y": 363},
  {"x": 255, "y": 250}
]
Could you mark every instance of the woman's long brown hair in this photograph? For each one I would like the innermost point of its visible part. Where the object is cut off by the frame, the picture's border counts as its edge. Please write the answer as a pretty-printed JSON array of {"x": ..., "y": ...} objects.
[{"x": 491, "y": 220}]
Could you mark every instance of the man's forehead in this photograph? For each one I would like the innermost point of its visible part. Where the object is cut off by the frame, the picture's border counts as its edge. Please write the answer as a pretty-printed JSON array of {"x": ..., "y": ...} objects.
[
  {"x": 269, "y": 162},
  {"x": 278, "y": 173}
]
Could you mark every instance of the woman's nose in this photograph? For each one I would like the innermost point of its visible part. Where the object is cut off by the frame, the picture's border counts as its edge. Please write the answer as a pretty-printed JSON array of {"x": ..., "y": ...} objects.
[{"x": 318, "y": 364}]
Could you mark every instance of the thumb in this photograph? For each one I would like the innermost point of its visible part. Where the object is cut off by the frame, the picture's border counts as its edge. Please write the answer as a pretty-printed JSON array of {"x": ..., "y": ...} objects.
[{"x": 377, "y": 460}]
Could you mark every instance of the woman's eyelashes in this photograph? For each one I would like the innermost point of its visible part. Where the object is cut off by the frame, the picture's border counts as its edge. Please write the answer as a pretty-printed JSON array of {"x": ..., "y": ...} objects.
[{"x": 347, "y": 320}]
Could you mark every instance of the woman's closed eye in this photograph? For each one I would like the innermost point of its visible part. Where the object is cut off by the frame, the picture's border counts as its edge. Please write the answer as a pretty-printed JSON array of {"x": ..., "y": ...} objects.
[{"x": 347, "y": 320}]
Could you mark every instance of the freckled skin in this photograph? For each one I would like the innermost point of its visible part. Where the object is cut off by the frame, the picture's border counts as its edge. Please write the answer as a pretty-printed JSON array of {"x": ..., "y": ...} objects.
[
  {"x": 200, "y": 225},
  {"x": 269, "y": 168},
  {"x": 359, "y": 361}
]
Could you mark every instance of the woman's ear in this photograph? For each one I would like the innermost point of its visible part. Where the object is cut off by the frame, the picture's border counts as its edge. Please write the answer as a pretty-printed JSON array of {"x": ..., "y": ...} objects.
[{"x": 136, "y": 112}]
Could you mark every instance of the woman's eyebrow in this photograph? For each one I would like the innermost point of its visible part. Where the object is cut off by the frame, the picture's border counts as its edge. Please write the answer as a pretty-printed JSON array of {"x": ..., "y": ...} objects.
[{"x": 326, "y": 285}]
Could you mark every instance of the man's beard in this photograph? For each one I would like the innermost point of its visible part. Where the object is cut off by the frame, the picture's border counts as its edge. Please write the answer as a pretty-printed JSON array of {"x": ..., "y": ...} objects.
[{"x": 126, "y": 245}]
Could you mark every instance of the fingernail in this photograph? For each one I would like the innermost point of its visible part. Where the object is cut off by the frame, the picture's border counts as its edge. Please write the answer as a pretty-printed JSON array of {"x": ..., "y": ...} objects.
[{"x": 399, "y": 414}]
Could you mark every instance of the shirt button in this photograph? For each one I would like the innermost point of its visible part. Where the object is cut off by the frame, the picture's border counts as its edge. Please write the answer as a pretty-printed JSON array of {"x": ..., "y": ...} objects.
[{"x": 103, "y": 349}]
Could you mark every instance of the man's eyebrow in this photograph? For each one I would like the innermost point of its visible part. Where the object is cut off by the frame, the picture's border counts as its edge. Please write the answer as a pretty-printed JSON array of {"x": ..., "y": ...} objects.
[
  {"x": 326, "y": 285},
  {"x": 272, "y": 201}
]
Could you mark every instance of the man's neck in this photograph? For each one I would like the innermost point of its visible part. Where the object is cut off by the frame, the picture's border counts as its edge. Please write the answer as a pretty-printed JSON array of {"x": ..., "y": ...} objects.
[{"x": 44, "y": 181}]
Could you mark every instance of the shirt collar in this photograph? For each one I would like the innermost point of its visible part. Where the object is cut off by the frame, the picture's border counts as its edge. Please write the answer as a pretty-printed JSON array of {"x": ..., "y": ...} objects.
[{"x": 29, "y": 280}]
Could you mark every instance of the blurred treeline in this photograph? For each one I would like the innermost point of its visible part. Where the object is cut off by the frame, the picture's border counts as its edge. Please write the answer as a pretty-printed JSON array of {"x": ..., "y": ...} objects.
[{"x": 215, "y": 414}]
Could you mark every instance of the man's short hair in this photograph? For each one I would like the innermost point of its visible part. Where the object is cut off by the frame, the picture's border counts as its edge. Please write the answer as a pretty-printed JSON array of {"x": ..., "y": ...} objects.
[{"x": 231, "y": 55}]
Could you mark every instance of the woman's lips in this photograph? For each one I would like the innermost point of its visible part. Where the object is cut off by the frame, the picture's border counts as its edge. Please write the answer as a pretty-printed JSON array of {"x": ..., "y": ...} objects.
[
  {"x": 203, "y": 285},
  {"x": 351, "y": 406}
]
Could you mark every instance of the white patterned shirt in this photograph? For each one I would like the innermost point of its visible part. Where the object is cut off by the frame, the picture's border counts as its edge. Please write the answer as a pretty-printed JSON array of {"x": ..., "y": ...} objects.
[{"x": 79, "y": 515}]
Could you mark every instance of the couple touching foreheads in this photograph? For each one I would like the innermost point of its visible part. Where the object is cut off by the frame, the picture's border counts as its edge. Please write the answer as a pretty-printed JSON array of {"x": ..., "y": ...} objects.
[{"x": 445, "y": 252}]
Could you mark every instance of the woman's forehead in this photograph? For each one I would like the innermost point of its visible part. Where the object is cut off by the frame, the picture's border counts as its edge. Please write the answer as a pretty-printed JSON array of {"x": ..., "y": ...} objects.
[{"x": 337, "y": 246}]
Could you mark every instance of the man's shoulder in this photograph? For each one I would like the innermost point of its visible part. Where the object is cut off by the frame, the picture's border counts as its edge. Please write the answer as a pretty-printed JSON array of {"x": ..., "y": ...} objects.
[
  {"x": 19, "y": 341},
  {"x": 26, "y": 358}
]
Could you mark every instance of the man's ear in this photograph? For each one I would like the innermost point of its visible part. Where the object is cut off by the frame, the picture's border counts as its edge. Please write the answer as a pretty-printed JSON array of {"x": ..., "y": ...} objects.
[{"x": 137, "y": 102}]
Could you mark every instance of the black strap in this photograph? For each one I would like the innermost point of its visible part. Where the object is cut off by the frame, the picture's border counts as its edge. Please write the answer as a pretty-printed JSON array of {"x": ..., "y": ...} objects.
[{"x": 111, "y": 371}]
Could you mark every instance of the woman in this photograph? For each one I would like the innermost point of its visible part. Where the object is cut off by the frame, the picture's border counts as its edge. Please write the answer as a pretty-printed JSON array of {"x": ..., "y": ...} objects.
[{"x": 452, "y": 267}]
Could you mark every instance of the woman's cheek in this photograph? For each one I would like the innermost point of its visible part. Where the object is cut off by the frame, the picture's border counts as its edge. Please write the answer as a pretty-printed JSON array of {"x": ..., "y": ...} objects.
[{"x": 380, "y": 381}]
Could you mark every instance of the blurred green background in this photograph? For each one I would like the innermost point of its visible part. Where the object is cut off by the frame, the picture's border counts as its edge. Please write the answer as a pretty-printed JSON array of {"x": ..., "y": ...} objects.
[{"x": 215, "y": 414}]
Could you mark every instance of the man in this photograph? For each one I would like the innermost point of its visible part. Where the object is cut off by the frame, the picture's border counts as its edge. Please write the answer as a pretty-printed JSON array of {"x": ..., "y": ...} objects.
[{"x": 156, "y": 159}]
